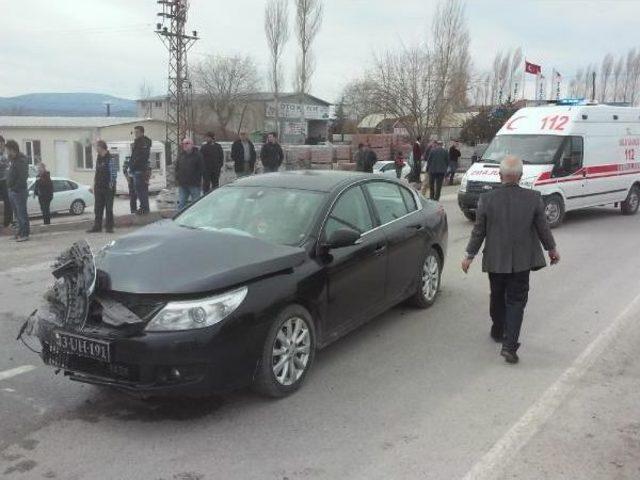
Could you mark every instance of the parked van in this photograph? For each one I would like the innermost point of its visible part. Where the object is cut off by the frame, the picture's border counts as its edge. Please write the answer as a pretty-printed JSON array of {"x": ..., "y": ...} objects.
[
  {"x": 121, "y": 151},
  {"x": 576, "y": 156}
]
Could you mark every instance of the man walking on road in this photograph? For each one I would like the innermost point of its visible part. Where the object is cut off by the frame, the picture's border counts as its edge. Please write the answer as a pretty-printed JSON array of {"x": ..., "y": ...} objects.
[
  {"x": 17, "y": 186},
  {"x": 4, "y": 191},
  {"x": 454, "y": 159},
  {"x": 140, "y": 168},
  {"x": 271, "y": 154},
  {"x": 104, "y": 187},
  {"x": 213, "y": 158},
  {"x": 437, "y": 165},
  {"x": 512, "y": 223},
  {"x": 189, "y": 169},
  {"x": 243, "y": 154},
  {"x": 370, "y": 159}
]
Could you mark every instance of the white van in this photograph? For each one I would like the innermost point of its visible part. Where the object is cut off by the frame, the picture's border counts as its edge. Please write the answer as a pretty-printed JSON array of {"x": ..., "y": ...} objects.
[
  {"x": 576, "y": 156},
  {"x": 121, "y": 151}
]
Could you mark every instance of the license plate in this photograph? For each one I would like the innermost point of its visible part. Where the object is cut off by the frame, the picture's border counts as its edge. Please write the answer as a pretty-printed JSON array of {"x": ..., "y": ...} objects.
[{"x": 82, "y": 346}]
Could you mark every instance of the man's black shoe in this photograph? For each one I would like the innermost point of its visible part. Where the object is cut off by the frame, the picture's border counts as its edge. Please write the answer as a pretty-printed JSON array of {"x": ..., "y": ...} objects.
[{"x": 510, "y": 356}]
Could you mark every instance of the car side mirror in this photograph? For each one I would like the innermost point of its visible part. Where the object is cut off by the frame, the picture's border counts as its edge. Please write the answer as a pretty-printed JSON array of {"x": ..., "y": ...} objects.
[{"x": 343, "y": 237}]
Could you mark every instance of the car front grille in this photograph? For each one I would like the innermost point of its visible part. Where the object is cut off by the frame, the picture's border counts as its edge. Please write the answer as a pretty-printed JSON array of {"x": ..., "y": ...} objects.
[{"x": 481, "y": 187}]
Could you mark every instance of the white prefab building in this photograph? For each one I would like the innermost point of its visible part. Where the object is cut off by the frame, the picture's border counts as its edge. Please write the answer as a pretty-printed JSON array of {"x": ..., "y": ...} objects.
[{"x": 67, "y": 144}]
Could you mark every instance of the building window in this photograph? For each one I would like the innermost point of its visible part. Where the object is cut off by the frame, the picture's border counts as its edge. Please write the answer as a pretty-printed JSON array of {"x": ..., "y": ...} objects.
[
  {"x": 157, "y": 164},
  {"x": 84, "y": 156},
  {"x": 157, "y": 104},
  {"x": 32, "y": 151}
]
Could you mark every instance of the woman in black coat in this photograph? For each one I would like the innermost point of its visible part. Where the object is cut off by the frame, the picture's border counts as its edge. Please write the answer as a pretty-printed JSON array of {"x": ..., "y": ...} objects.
[{"x": 43, "y": 189}]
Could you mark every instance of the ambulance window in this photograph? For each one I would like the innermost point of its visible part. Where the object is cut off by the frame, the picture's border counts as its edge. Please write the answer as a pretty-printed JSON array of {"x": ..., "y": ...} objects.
[{"x": 571, "y": 159}]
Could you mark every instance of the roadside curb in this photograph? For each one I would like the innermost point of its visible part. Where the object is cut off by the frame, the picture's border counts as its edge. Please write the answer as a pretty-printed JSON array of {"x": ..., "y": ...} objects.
[{"x": 121, "y": 221}]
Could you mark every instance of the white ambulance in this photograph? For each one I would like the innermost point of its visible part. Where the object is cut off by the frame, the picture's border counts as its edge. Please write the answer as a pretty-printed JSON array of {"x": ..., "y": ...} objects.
[
  {"x": 576, "y": 156},
  {"x": 121, "y": 151}
]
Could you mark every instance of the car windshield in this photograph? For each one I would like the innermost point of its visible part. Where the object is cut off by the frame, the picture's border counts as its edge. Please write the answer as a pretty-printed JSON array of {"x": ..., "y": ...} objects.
[
  {"x": 535, "y": 149},
  {"x": 276, "y": 215}
]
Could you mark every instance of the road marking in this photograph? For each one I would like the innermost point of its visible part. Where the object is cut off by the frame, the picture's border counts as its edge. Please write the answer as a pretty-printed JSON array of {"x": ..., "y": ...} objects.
[
  {"x": 16, "y": 371},
  {"x": 497, "y": 459}
]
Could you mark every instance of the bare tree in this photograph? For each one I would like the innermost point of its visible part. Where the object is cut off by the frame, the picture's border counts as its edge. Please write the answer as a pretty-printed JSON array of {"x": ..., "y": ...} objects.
[
  {"x": 450, "y": 58},
  {"x": 308, "y": 22},
  {"x": 405, "y": 87},
  {"x": 358, "y": 99},
  {"x": 617, "y": 76},
  {"x": 226, "y": 83},
  {"x": 605, "y": 74},
  {"x": 145, "y": 92},
  {"x": 276, "y": 27},
  {"x": 516, "y": 65}
]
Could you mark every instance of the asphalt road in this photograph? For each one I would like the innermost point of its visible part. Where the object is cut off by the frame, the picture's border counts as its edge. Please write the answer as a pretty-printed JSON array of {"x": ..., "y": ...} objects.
[{"x": 413, "y": 394}]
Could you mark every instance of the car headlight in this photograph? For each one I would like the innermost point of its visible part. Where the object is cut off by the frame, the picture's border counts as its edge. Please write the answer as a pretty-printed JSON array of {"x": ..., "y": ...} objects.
[
  {"x": 463, "y": 183},
  {"x": 193, "y": 314}
]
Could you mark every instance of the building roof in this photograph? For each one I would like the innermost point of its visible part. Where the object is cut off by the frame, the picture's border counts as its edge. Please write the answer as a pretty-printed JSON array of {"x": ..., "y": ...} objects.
[
  {"x": 68, "y": 122},
  {"x": 451, "y": 120},
  {"x": 374, "y": 120}
]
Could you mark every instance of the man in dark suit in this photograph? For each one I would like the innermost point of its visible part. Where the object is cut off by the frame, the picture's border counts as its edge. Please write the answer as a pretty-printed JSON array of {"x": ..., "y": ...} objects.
[
  {"x": 243, "y": 154},
  {"x": 512, "y": 223},
  {"x": 213, "y": 159},
  {"x": 437, "y": 165}
]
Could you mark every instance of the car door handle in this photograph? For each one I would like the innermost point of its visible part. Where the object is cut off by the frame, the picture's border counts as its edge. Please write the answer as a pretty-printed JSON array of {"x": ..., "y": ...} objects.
[
  {"x": 380, "y": 249},
  {"x": 416, "y": 226}
]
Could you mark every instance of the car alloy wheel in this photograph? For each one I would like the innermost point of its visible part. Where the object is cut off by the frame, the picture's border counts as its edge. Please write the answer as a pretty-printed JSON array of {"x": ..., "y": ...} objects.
[
  {"x": 430, "y": 277},
  {"x": 291, "y": 351},
  {"x": 554, "y": 210},
  {"x": 429, "y": 280},
  {"x": 631, "y": 204},
  {"x": 287, "y": 354},
  {"x": 77, "y": 207}
]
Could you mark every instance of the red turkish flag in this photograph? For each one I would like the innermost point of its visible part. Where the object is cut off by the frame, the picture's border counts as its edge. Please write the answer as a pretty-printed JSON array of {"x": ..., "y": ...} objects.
[{"x": 532, "y": 68}]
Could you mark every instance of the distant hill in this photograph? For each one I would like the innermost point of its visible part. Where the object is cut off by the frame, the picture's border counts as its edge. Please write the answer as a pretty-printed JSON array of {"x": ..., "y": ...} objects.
[{"x": 67, "y": 105}]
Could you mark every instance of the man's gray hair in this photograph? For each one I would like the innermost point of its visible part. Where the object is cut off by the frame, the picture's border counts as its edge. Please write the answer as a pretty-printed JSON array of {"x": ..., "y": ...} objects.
[{"x": 511, "y": 167}]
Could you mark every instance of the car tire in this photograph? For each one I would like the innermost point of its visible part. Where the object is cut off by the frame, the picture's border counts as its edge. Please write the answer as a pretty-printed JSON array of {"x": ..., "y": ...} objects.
[
  {"x": 470, "y": 215},
  {"x": 429, "y": 282},
  {"x": 77, "y": 207},
  {"x": 280, "y": 358},
  {"x": 554, "y": 210},
  {"x": 631, "y": 204}
]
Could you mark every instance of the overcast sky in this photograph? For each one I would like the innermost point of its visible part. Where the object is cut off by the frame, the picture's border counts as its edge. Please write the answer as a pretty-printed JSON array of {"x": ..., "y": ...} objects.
[{"x": 108, "y": 46}]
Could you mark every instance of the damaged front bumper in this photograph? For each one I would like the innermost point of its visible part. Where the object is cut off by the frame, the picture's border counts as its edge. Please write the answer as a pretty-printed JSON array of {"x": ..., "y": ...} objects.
[{"x": 98, "y": 337}]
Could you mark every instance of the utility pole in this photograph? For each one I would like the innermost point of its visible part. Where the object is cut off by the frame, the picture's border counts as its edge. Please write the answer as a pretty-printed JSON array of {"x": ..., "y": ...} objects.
[
  {"x": 174, "y": 13},
  {"x": 593, "y": 87}
]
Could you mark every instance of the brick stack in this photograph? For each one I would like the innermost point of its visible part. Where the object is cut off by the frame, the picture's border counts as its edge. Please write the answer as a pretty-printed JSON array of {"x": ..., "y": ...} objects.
[
  {"x": 350, "y": 166},
  {"x": 381, "y": 144},
  {"x": 321, "y": 158},
  {"x": 343, "y": 153},
  {"x": 298, "y": 157}
]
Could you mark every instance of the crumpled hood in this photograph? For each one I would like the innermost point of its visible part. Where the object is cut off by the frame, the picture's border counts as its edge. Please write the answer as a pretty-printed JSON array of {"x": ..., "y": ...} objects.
[{"x": 164, "y": 258}]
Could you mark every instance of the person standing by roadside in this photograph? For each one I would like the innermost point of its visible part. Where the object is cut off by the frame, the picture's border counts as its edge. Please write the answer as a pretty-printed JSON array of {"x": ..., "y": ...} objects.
[
  {"x": 370, "y": 159},
  {"x": 213, "y": 158},
  {"x": 189, "y": 170},
  {"x": 271, "y": 154},
  {"x": 43, "y": 189},
  {"x": 399, "y": 164},
  {"x": 140, "y": 169},
  {"x": 4, "y": 191},
  {"x": 133, "y": 198},
  {"x": 437, "y": 165},
  {"x": 417, "y": 149},
  {"x": 425, "y": 156},
  {"x": 243, "y": 154},
  {"x": 104, "y": 188},
  {"x": 512, "y": 223},
  {"x": 359, "y": 157},
  {"x": 454, "y": 160},
  {"x": 17, "y": 186}
]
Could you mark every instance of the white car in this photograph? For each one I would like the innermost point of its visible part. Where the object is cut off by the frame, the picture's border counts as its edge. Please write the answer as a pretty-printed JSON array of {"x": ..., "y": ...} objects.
[
  {"x": 68, "y": 197},
  {"x": 388, "y": 168}
]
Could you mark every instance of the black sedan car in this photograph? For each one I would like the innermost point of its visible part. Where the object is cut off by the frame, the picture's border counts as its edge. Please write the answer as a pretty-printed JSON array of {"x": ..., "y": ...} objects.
[{"x": 244, "y": 286}]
